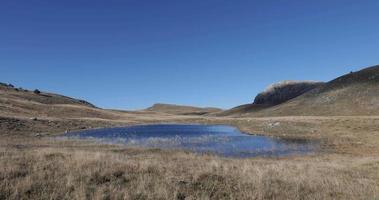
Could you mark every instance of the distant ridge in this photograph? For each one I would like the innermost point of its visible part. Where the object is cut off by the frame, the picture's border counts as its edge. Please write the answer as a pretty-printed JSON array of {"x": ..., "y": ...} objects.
[{"x": 181, "y": 109}]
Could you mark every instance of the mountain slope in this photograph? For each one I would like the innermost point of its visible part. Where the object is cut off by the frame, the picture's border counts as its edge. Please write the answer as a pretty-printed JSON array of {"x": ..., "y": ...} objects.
[
  {"x": 275, "y": 94},
  {"x": 8, "y": 90},
  {"x": 17, "y": 102},
  {"x": 356, "y": 93},
  {"x": 240, "y": 110}
]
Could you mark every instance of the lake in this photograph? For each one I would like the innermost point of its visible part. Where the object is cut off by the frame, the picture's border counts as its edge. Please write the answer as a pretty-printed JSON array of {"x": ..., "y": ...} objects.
[{"x": 217, "y": 139}]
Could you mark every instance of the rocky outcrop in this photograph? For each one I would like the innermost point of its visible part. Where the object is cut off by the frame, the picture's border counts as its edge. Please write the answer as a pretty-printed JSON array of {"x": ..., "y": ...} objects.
[{"x": 283, "y": 91}]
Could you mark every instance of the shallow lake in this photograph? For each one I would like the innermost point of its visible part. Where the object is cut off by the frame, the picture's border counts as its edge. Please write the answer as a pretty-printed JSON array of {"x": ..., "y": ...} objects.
[{"x": 218, "y": 139}]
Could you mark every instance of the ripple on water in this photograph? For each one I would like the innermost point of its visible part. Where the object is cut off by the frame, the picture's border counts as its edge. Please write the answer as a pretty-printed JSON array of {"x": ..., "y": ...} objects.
[{"x": 218, "y": 139}]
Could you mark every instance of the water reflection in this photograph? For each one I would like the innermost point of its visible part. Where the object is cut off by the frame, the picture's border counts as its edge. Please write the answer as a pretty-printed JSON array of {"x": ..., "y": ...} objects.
[{"x": 218, "y": 139}]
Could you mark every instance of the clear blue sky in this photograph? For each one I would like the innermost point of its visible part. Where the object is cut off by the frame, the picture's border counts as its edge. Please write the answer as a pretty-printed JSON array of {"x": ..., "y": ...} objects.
[{"x": 130, "y": 54}]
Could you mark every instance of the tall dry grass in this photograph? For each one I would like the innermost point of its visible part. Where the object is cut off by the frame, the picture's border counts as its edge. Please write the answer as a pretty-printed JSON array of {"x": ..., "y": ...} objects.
[{"x": 70, "y": 170}]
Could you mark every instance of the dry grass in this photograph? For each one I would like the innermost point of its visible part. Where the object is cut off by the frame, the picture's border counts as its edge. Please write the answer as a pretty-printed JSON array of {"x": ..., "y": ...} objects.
[
  {"x": 346, "y": 168},
  {"x": 45, "y": 169}
]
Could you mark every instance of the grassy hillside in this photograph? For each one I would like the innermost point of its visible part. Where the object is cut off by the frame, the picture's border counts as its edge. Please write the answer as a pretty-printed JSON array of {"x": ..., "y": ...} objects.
[
  {"x": 181, "y": 110},
  {"x": 275, "y": 94},
  {"x": 18, "y": 102},
  {"x": 39, "y": 97},
  {"x": 240, "y": 110},
  {"x": 356, "y": 93}
]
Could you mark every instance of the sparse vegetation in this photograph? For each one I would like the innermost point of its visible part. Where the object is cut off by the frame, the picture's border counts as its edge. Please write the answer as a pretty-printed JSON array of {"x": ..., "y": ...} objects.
[
  {"x": 22, "y": 89},
  {"x": 6, "y": 85}
]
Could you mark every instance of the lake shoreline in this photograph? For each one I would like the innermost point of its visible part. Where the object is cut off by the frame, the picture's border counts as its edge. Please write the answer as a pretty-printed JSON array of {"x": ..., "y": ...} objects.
[{"x": 224, "y": 140}]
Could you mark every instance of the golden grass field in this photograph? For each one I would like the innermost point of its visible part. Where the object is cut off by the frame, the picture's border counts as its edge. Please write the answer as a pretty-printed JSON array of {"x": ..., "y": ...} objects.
[{"x": 347, "y": 166}]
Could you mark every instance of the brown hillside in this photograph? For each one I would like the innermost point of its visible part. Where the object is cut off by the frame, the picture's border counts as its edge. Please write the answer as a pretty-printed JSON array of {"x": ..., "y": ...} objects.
[
  {"x": 275, "y": 94},
  {"x": 16, "y": 102},
  {"x": 356, "y": 93},
  {"x": 240, "y": 110}
]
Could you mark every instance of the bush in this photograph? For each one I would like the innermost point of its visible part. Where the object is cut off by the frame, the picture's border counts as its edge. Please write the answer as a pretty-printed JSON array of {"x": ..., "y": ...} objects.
[
  {"x": 22, "y": 89},
  {"x": 36, "y": 91}
]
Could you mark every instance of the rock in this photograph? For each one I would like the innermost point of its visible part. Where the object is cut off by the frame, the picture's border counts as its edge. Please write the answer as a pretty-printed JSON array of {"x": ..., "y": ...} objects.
[
  {"x": 283, "y": 91},
  {"x": 34, "y": 118},
  {"x": 273, "y": 124}
]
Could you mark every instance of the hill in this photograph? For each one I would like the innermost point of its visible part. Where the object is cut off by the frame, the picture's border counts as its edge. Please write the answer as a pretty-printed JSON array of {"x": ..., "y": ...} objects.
[
  {"x": 181, "y": 110},
  {"x": 355, "y": 93},
  {"x": 240, "y": 110},
  {"x": 274, "y": 94},
  {"x": 18, "y": 102},
  {"x": 40, "y": 97}
]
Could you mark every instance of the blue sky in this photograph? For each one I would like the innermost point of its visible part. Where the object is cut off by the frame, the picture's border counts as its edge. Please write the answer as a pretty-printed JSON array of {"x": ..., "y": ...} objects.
[{"x": 130, "y": 54}]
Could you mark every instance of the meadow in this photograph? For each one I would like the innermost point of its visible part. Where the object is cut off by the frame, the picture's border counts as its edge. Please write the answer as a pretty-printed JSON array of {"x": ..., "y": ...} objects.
[{"x": 48, "y": 168}]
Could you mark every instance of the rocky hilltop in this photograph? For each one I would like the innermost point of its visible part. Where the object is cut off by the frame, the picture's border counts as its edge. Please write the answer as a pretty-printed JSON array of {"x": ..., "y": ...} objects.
[
  {"x": 274, "y": 94},
  {"x": 283, "y": 91}
]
